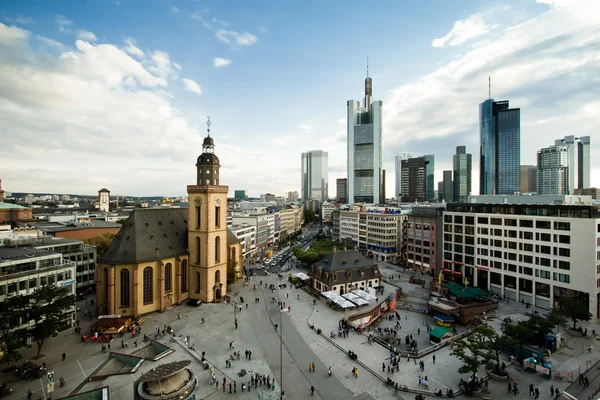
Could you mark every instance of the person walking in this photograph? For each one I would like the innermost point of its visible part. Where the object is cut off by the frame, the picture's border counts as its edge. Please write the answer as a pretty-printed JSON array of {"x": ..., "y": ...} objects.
[
  {"x": 433, "y": 358},
  {"x": 537, "y": 393},
  {"x": 64, "y": 356},
  {"x": 531, "y": 392}
]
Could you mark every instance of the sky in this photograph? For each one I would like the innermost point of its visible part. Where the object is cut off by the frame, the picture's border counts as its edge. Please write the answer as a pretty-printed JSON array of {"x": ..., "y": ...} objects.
[{"x": 116, "y": 93}]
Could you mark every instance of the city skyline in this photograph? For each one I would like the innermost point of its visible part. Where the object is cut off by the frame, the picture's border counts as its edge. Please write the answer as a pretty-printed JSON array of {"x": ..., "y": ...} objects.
[{"x": 151, "y": 93}]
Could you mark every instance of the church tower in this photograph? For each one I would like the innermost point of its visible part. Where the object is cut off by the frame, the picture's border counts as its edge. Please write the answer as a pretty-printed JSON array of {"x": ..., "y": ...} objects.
[{"x": 207, "y": 227}]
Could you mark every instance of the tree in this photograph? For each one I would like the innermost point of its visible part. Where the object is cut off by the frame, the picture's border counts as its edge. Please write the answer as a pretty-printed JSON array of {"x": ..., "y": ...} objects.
[
  {"x": 231, "y": 275},
  {"x": 574, "y": 309},
  {"x": 471, "y": 351},
  {"x": 557, "y": 318},
  {"x": 310, "y": 216},
  {"x": 10, "y": 340},
  {"x": 494, "y": 345},
  {"x": 521, "y": 333},
  {"x": 102, "y": 242},
  {"x": 121, "y": 220},
  {"x": 45, "y": 308}
]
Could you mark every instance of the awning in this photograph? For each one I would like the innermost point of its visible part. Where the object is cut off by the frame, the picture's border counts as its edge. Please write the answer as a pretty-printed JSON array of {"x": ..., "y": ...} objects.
[
  {"x": 351, "y": 296},
  {"x": 364, "y": 295},
  {"x": 438, "y": 332},
  {"x": 464, "y": 294},
  {"x": 360, "y": 301},
  {"x": 329, "y": 295},
  {"x": 302, "y": 276},
  {"x": 443, "y": 318},
  {"x": 342, "y": 302}
]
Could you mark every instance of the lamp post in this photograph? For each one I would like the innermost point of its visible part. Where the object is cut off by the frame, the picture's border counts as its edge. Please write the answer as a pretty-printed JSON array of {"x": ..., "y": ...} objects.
[{"x": 281, "y": 311}]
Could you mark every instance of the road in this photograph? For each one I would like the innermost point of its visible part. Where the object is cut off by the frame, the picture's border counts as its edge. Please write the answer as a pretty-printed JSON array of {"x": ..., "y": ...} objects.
[{"x": 297, "y": 354}]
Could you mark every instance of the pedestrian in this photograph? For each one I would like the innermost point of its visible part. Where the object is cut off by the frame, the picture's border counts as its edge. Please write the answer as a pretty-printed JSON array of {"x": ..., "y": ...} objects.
[
  {"x": 236, "y": 324},
  {"x": 509, "y": 387},
  {"x": 433, "y": 358},
  {"x": 64, "y": 356},
  {"x": 29, "y": 394},
  {"x": 230, "y": 388},
  {"x": 234, "y": 387},
  {"x": 383, "y": 367},
  {"x": 531, "y": 392},
  {"x": 551, "y": 390},
  {"x": 537, "y": 393},
  {"x": 313, "y": 366}
]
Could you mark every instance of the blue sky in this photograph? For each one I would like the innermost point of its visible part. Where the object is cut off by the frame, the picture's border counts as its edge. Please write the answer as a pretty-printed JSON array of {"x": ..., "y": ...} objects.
[{"x": 115, "y": 93}]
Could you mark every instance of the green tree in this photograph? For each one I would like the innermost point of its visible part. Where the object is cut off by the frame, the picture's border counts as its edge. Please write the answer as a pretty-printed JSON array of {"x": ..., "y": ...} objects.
[
  {"x": 471, "y": 351},
  {"x": 231, "y": 275},
  {"x": 557, "y": 318},
  {"x": 102, "y": 242},
  {"x": 494, "y": 345},
  {"x": 121, "y": 221},
  {"x": 45, "y": 308},
  {"x": 574, "y": 309},
  {"x": 521, "y": 333},
  {"x": 310, "y": 216},
  {"x": 11, "y": 341}
]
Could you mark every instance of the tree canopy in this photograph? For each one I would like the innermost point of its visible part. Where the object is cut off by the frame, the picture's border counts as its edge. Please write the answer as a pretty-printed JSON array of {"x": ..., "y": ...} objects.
[
  {"x": 574, "y": 309},
  {"x": 102, "y": 242},
  {"x": 471, "y": 351},
  {"x": 310, "y": 216},
  {"x": 317, "y": 251}
]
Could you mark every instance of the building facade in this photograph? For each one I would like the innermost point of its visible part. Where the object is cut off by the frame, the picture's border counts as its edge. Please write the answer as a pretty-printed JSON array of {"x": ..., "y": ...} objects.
[
  {"x": 447, "y": 187},
  {"x": 365, "y": 156},
  {"x": 553, "y": 170},
  {"x": 578, "y": 150},
  {"x": 246, "y": 234},
  {"x": 241, "y": 194},
  {"x": 500, "y": 148},
  {"x": 341, "y": 195},
  {"x": 344, "y": 271},
  {"x": 462, "y": 164},
  {"x": 424, "y": 239},
  {"x": 315, "y": 180},
  {"x": 13, "y": 213},
  {"x": 534, "y": 253},
  {"x": 398, "y": 169},
  {"x": 529, "y": 178},
  {"x": 414, "y": 180},
  {"x": 103, "y": 200},
  {"x": 327, "y": 210},
  {"x": 292, "y": 196}
]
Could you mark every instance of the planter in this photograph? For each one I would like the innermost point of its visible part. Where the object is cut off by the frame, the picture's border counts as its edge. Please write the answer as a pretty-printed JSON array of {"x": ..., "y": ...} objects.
[{"x": 497, "y": 377}]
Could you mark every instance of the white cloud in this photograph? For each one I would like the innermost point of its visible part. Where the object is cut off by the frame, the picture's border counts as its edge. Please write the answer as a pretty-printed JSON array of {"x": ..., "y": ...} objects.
[
  {"x": 221, "y": 62},
  {"x": 175, "y": 10},
  {"x": 63, "y": 23},
  {"x": 132, "y": 49},
  {"x": 191, "y": 86},
  {"x": 263, "y": 30},
  {"x": 306, "y": 128},
  {"x": 86, "y": 35},
  {"x": 463, "y": 30},
  {"x": 20, "y": 20},
  {"x": 12, "y": 35},
  {"x": 220, "y": 22},
  {"x": 49, "y": 42},
  {"x": 161, "y": 64},
  {"x": 232, "y": 37}
]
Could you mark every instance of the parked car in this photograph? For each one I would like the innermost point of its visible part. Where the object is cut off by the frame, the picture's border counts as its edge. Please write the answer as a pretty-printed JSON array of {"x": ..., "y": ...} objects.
[{"x": 194, "y": 303}]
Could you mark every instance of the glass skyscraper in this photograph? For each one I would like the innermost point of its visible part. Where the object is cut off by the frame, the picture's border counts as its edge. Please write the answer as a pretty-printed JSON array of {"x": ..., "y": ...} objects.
[
  {"x": 462, "y": 166},
  {"x": 429, "y": 177},
  {"x": 314, "y": 176},
  {"x": 500, "y": 148}
]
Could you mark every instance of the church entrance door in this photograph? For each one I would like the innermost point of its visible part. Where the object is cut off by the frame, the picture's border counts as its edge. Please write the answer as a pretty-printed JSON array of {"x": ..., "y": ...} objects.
[{"x": 218, "y": 294}]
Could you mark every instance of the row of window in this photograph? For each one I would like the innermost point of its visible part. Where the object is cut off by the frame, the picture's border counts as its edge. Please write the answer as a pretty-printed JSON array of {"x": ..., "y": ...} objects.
[{"x": 33, "y": 283}]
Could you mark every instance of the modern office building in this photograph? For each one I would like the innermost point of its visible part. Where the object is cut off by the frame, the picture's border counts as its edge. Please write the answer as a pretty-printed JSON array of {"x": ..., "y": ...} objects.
[
  {"x": 341, "y": 190},
  {"x": 447, "y": 187},
  {"x": 382, "y": 194},
  {"x": 241, "y": 194},
  {"x": 246, "y": 234},
  {"x": 579, "y": 161},
  {"x": 429, "y": 177},
  {"x": 327, "y": 210},
  {"x": 462, "y": 164},
  {"x": 292, "y": 196},
  {"x": 398, "y": 165},
  {"x": 424, "y": 239},
  {"x": 553, "y": 170},
  {"x": 500, "y": 148},
  {"x": 533, "y": 253},
  {"x": 414, "y": 180},
  {"x": 364, "y": 149},
  {"x": 314, "y": 176},
  {"x": 529, "y": 178}
]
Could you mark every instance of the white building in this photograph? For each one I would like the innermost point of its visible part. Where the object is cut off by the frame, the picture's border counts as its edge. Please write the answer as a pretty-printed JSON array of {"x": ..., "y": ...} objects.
[
  {"x": 579, "y": 161},
  {"x": 314, "y": 178},
  {"x": 534, "y": 253},
  {"x": 262, "y": 227},
  {"x": 247, "y": 236},
  {"x": 364, "y": 162},
  {"x": 326, "y": 211},
  {"x": 553, "y": 170},
  {"x": 103, "y": 200},
  {"x": 292, "y": 196},
  {"x": 398, "y": 166}
]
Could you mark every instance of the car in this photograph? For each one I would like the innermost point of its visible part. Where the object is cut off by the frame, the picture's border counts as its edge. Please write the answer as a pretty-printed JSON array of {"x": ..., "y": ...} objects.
[
  {"x": 266, "y": 273},
  {"x": 193, "y": 303}
]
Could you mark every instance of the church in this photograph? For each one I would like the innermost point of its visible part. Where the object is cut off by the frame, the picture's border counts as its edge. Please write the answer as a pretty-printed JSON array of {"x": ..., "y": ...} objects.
[{"x": 166, "y": 256}]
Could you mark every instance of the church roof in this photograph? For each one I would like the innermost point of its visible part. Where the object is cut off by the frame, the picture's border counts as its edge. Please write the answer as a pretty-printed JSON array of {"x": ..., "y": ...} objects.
[
  {"x": 231, "y": 238},
  {"x": 207, "y": 159},
  {"x": 344, "y": 260},
  {"x": 149, "y": 235}
]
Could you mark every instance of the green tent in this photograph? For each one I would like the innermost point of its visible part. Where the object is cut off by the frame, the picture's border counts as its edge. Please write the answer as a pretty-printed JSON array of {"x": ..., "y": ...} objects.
[{"x": 436, "y": 334}]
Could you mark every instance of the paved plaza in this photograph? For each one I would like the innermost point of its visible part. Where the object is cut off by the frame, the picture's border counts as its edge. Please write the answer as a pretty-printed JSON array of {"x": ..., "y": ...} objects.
[{"x": 301, "y": 346}]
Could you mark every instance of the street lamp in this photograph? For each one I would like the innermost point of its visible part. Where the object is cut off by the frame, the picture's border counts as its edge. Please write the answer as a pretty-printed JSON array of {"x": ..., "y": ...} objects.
[{"x": 281, "y": 311}]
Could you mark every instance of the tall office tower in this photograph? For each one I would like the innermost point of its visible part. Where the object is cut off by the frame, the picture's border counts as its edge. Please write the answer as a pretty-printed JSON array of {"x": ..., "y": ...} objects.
[
  {"x": 398, "y": 165},
  {"x": 462, "y": 166},
  {"x": 553, "y": 170},
  {"x": 430, "y": 177},
  {"x": 414, "y": 180},
  {"x": 579, "y": 161},
  {"x": 500, "y": 148},
  {"x": 314, "y": 176},
  {"x": 529, "y": 178},
  {"x": 292, "y": 196},
  {"x": 382, "y": 193},
  {"x": 341, "y": 190},
  {"x": 241, "y": 194},
  {"x": 364, "y": 148},
  {"x": 447, "y": 187}
]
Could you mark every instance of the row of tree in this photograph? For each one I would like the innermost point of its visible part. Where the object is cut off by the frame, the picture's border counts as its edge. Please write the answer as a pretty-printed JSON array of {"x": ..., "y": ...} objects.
[
  {"x": 42, "y": 314},
  {"x": 317, "y": 251},
  {"x": 485, "y": 345}
]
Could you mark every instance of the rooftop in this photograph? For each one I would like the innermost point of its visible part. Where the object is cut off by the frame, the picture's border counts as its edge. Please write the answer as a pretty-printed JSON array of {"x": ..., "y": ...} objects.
[
  {"x": 4, "y": 205},
  {"x": 19, "y": 253},
  {"x": 344, "y": 260},
  {"x": 72, "y": 225}
]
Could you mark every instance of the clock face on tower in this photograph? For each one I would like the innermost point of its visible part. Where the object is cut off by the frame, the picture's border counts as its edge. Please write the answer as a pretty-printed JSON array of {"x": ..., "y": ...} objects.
[
  {"x": 197, "y": 201},
  {"x": 218, "y": 202}
]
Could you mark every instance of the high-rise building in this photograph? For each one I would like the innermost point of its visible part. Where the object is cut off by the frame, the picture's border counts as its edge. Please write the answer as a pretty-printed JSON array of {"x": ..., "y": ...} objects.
[
  {"x": 292, "y": 196},
  {"x": 462, "y": 167},
  {"x": 341, "y": 190},
  {"x": 529, "y": 178},
  {"x": 553, "y": 170},
  {"x": 241, "y": 194},
  {"x": 429, "y": 177},
  {"x": 103, "y": 200},
  {"x": 414, "y": 180},
  {"x": 447, "y": 187},
  {"x": 500, "y": 148},
  {"x": 314, "y": 176},
  {"x": 364, "y": 148},
  {"x": 398, "y": 165},
  {"x": 578, "y": 150},
  {"x": 382, "y": 195}
]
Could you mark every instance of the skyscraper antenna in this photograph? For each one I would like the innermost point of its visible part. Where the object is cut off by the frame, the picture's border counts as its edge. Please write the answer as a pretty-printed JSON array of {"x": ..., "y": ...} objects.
[
  {"x": 489, "y": 87},
  {"x": 367, "y": 66},
  {"x": 208, "y": 125}
]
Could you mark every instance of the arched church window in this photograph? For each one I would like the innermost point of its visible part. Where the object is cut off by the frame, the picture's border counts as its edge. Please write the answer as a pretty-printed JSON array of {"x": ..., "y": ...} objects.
[
  {"x": 148, "y": 285},
  {"x": 125, "y": 289},
  {"x": 184, "y": 276},
  {"x": 197, "y": 281},
  {"x": 198, "y": 250},
  {"x": 218, "y": 249},
  {"x": 168, "y": 278}
]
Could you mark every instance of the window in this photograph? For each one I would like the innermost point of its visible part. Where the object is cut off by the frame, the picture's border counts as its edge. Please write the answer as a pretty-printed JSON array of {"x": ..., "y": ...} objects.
[
  {"x": 470, "y": 220},
  {"x": 217, "y": 277},
  {"x": 542, "y": 224},
  {"x": 564, "y": 265},
  {"x": 510, "y": 222},
  {"x": 526, "y": 223},
  {"x": 184, "y": 275},
  {"x": 198, "y": 217},
  {"x": 198, "y": 250},
  {"x": 197, "y": 281},
  {"x": 482, "y": 220},
  {"x": 496, "y": 221},
  {"x": 217, "y": 216},
  {"x": 447, "y": 218},
  {"x": 168, "y": 278},
  {"x": 565, "y": 239},
  {"x": 562, "y": 226},
  {"x": 124, "y": 287},
  {"x": 218, "y": 249},
  {"x": 564, "y": 278},
  {"x": 458, "y": 219},
  {"x": 148, "y": 285},
  {"x": 528, "y": 235}
]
